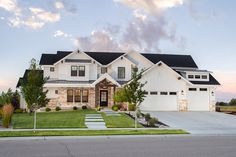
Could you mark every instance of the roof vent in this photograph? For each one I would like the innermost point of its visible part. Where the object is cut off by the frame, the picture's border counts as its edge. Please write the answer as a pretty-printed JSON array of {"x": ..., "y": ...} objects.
[
  {"x": 179, "y": 78},
  {"x": 159, "y": 64},
  {"x": 121, "y": 57}
]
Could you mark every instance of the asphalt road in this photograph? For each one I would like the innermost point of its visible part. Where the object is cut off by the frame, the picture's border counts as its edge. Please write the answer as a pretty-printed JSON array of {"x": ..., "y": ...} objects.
[{"x": 161, "y": 146}]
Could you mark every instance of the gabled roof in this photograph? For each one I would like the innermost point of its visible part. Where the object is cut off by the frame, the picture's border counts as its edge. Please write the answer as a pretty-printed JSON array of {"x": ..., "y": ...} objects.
[
  {"x": 104, "y": 57},
  {"x": 212, "y": 81},
  {"x": 50, "y": 59},
  {"x": 172, "y": 60}
]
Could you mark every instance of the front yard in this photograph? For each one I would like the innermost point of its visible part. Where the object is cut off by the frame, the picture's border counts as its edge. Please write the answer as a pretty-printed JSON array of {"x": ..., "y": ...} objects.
[{"x": 68, "y": 119}]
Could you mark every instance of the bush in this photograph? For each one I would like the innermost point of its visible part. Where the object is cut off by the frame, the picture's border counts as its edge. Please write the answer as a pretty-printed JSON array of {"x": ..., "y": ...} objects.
[
  {"x": 75, "y": 108},
  {"x": 18, "y": 110},
  {"x": 152, "y": 122},
  {"x": 98, "y": 108},
  {"x": 57, "y": 108},
  {"x": 84, "y": 107},
  {"x": 47, "y": 109},
  {"x": 7, "y": 112},
  {"x": 139, "y": 114},
  {"x": 115, "y": 108},
  {"x": 147, "y": 117},
  {"x": 131, "y": 107}
]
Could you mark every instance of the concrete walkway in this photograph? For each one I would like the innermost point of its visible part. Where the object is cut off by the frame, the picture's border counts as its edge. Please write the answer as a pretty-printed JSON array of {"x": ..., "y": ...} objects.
[
  {"x": 95, "y": 121},
  {"x": 110, "y": 112}
]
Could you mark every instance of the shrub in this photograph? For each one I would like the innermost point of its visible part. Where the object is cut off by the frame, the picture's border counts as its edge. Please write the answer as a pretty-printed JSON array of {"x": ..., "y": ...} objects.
[
  {"x": 18, "y": 110},
  {"x": 139, "y": 114},
  {"x": 147, "y": 117},
  {"x": 47, "y": 109},
  {"x": 152, "y": 122},
  {"x": 115, "y": 108},
  {"x": 131, "y": 107},
  {"x": 57, "y": 108},
  {"x": 7, "y": 112},
  {"x": 75, "y": 108},
  {"x": 98, "y": 108},
  {"x": 84, "y": 107}
]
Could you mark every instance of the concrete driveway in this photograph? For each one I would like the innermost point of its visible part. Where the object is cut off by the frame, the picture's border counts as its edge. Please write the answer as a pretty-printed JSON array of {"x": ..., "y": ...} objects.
[{"x": 199, "y": 122}]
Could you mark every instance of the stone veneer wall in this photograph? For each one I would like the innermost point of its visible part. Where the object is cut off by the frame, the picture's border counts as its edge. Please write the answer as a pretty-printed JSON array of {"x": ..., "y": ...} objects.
[
  {"x": 61, "y": 100},
  {"x": 212, "y": 106},
  {"x": 183, "y": 105}
]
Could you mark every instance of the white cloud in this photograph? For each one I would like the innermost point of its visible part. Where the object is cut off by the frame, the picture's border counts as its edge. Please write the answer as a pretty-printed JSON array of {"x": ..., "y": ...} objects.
[
  {"x": 2, "y": 18},
  {"x": 45, "y": 16},
  {"x": 60, "y": 33},
  {"x": 31, "y": 22},
  {"x": 151, "y": 6},
  {"x": 59, "y": 5},
  {"x": 11, "y": 6}
]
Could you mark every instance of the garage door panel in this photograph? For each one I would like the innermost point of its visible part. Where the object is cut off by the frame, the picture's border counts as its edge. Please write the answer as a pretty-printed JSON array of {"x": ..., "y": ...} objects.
[{"x": 198, "y": 101}]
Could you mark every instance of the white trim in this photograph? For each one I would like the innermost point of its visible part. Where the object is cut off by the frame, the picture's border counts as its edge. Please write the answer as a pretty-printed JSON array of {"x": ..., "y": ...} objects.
[
  {"x": 116, "y": 60},
  {"x": 141, "y": 56},
  {"x": 105, "y": 76}
]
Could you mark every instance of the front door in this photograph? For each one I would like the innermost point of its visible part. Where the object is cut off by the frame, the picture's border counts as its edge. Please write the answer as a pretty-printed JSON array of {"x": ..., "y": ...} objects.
[{"x": 103, "y": 98}]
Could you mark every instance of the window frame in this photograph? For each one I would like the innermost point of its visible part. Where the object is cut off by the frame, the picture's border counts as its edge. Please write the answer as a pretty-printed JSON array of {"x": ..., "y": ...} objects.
[
  {"x": 119, "y": 73},
  {"x": 70, "y": 98},
  {"x": 52, "y": 69},
  {"x": 81, "y": 73},
  {"x": 197, "y": 76},
  {"x": 163, "y": 93},
  {"x": 153, "y": 93},
  {"x": 204, "y": 77},
  {"x": 77, "y": 98},
  {"x": 192, "y": 89},
  {"x": 203, "y": 89},
  {"x": 172, "y": 93},
  {"x": 73, "y": 73},
  {"x": 85, "y": 98},
  {"x": 102, "y": 70},
  {"x": 190, "y": 76}
]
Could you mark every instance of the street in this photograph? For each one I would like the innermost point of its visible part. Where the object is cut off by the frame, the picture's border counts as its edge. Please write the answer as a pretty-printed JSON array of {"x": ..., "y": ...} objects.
[{"x": 144, "y": 146}]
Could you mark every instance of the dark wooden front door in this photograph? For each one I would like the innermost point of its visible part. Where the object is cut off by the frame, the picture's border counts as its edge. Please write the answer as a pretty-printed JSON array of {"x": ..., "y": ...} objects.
[{"x": 103, "y": 98}]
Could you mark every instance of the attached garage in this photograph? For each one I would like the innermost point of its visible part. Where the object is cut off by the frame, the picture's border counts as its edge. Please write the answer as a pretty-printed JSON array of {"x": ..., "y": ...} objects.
[{"x": 198, "y": 99}]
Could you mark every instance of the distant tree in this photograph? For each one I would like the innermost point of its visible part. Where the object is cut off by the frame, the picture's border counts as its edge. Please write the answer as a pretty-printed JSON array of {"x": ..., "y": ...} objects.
[
  {"x": 6, "y": 98},
  {"x": 221, "y": 104},
  {"x": 15, "y": 101},
  {"x": 232, "y": 102}
]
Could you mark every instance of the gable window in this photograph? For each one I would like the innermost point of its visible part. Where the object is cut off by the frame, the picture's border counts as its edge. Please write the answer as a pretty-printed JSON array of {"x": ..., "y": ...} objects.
[
  {"x": 73, "y": 70},
  {"x": 204, "y": 77},
  {"x": 56, "y": 91},
  {"x": 164, "y": 93},
  {"x": 52, "y": 69},
  {"x": 153, "y": 93},
  {"x": 197, "y": 77},
  {"x": 203, "y": 89},
  {"x": 121, "y": 72},
  {"x": 70, "y": 95},
  {"x": 77, "y": 95},
  {"x": 103, "y": 70},
  {"x": 190, "y": 76},
  {"x": 85, "y": 96},
  {"x": 81, "y": 70},
  {"x": 192, "y": 89}
]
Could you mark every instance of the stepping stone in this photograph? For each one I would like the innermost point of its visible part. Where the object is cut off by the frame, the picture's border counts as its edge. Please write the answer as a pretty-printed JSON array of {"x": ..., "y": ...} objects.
[{"x": 94, "y": 120}]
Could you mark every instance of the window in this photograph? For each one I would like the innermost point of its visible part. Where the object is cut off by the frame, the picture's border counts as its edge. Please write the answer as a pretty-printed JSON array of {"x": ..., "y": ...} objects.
[
  {"x": 203, "y": 89},
  {"x": 172, "y": 93},
  {"x": 145, "y": 92},
  {"x": 204, "y": 76},
  {"x": 81, "y": 70},
  {"x": 69, "y": 95},
  {"x": 192, "y": 89},
  {"x": 121, "y": 72},
  {"x": 73, "y": 70},
  {"x": 56, "y": 91},
  {"x": 85, "y": 96},
  {"x": 77, "y": 95},
  {"x": 164, "y": 93},
  {"x": 197, "y": 77},
  {"x": 153, "y": 93},
  {"x": 52, "y": 69},
  {"x": 103, "y": 70},
  {"x": 190, "y": 76}
]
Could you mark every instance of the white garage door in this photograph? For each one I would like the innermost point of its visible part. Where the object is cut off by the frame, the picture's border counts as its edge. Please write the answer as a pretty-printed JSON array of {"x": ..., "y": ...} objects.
[
  {"x": 198, "y": 100},
  {"x": 160, "y": 102}
]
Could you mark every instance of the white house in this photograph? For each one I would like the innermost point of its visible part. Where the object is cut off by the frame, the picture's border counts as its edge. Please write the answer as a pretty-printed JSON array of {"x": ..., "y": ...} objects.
[{"x": 174, "y": 82}]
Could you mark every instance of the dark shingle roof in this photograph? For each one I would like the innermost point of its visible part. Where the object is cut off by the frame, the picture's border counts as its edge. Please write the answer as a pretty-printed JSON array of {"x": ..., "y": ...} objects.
[
  {"x": 50, "y": 59},
  {"x": 212, "y": 81},
  {"x": 172, "y": 60},
  {"x": 104, "y": 57},
  {"x": 24, "y": 77}
]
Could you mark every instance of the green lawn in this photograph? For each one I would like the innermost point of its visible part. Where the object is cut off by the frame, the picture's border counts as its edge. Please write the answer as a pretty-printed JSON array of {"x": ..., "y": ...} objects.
[
  {"x": 68, "y": 119},
  {"x": 61, "y": 119},
  {"x": 123, "y": 121},
  {"x": 227, "y": 108},
  {"x": 89, "y": 133}
]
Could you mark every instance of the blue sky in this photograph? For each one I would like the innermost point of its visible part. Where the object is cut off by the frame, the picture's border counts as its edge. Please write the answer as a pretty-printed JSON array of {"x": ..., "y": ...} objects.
[{"x": 204, "y": 29}]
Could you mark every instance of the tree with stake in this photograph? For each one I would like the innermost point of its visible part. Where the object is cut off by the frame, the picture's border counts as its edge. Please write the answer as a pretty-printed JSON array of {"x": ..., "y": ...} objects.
[
  {"x": 32, "y": 89},
  {"x": 134, "y": 91}
]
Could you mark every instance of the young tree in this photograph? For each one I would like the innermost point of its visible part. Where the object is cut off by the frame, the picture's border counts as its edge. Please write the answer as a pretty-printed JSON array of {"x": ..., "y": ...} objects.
[
  {"x": 32, "y": 88},
  {"x": 6, "y": 98},
  {"x": 134, "y": 91}
]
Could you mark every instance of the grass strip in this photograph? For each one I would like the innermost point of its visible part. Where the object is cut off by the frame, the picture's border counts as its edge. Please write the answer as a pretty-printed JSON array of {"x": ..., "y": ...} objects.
[{"x": 89, "y": 133}]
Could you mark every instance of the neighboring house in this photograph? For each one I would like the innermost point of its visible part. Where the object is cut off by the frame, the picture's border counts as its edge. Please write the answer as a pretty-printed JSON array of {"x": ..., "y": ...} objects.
[{"x": 174, "y": 82}]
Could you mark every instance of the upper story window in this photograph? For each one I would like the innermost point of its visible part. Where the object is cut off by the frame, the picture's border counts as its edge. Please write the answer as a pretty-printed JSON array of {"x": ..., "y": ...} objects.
[
  {"x": 74, "y": 71},
  {"x": 81, "y": 70},
  {"x": 52, "y": 69},
  {"x": 197, "y": 76},
  {"x": 192, "y": 89},
  {"x": 103, "y": 70},
  {"x": 190, "y": 76},
  {"x": 77, "y": 70},
  {"x": 204, "y": 77},
  {"x": 121, "y": 72}
]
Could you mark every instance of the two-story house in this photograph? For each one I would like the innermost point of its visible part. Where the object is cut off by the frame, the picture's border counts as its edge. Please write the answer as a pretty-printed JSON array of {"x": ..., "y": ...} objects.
[{"x": 174, "y": 82}]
